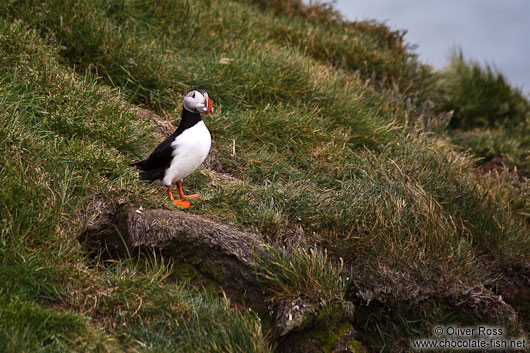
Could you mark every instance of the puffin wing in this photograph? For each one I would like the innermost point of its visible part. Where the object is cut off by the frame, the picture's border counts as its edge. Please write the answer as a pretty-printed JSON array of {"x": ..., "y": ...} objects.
[{"x": 154, "y": 166}]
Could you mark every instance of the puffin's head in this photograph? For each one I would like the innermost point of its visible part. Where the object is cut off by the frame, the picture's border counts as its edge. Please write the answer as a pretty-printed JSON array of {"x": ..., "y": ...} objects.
[{"x": 197, "y": 101}]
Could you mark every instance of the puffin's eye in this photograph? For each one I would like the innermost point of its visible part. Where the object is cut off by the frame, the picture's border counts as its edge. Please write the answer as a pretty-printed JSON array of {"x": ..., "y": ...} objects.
[{"x": 193, "y": 95}]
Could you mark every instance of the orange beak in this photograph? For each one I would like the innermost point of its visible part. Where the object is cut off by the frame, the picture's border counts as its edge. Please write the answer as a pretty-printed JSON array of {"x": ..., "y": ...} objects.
[{"x": 210, "y": 107}]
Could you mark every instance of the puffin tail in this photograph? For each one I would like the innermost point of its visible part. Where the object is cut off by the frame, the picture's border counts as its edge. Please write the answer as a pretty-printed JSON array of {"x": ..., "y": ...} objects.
[
  {"x": 138, "y": 164},
  {"x": 152, "y": 174},
  {"x": 148, "y": 174}
]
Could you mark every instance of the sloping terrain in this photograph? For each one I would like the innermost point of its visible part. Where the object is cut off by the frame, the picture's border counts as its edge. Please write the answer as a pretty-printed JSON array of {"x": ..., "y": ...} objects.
[{"x": 331, "y": 143}]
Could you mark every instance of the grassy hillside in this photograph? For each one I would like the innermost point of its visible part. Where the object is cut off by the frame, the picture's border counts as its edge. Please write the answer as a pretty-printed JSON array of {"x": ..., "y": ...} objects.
[
  {"x": 491, "y": 118},
  {"x": 335, "y": 137}
]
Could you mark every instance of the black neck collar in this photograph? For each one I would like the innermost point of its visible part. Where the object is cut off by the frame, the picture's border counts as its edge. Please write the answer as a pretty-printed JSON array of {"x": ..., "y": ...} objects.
[{"x": 188, "y": 119}]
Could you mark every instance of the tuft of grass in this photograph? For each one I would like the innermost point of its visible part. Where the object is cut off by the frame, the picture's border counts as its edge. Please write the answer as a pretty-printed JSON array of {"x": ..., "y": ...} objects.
[
  {"x": 299, "y": 273},
  {"x": 321, "y": 12},
  {"x": 491, "y": 118},
  {"x": 146, "y": 311},
  {"x": 509, "y": 141},
  {"x": 480, "y": 96},
  {"x": 29, "y": 327}
]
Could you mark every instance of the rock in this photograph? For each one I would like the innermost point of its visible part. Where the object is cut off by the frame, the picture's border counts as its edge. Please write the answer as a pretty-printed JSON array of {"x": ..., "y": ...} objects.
[{"x": 223, "y": 259}]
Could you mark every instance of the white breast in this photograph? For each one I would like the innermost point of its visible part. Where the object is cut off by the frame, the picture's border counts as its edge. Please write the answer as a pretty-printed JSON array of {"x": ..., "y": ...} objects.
[{"x": 190, "y": 149}]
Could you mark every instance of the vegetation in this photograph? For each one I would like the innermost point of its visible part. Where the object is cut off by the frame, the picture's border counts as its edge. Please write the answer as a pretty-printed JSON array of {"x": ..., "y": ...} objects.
[
  {"x": 299, "y": 273},
  {"x": 480, "y": 97},
  {"x": 321, "y": 125},
  {"x": 68, "y": 144},
  {"x": 491, "y": 118}
]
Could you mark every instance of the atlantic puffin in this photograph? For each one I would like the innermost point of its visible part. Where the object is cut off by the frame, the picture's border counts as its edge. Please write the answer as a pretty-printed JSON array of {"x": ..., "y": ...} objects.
[{"x": 183, "y": 151}]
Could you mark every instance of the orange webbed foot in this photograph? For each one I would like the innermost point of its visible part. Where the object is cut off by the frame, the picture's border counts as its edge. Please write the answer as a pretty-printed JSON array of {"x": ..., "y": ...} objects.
[
  {"x": 181, "y": 193},
  {"x": 191, "y": 196},
  {"x": 182, "y": 203},
  {"x": 179, "y": 203}
]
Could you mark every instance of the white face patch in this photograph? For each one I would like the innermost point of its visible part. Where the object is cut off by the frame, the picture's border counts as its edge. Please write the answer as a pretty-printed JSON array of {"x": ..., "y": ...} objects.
[{"x": 195, "y": 102}]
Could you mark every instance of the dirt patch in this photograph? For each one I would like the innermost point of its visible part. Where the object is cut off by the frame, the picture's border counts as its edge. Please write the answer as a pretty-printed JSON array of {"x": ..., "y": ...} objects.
[{"x": 503, "y": 167}]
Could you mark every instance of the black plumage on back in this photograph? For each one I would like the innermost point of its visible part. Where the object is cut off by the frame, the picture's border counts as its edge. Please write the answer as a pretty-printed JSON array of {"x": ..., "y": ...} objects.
[{"x": 154, "y": 166}]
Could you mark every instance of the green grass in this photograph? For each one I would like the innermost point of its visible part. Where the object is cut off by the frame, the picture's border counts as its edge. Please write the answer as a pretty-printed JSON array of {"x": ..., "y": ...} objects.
[
  {"x": 305, "y": 273},
  {"x": 68, "y": 141},
  {"x": 480, "y": 96},
  {"x": 320, "y": 120},
  {"x": 491, "y": 118}
]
